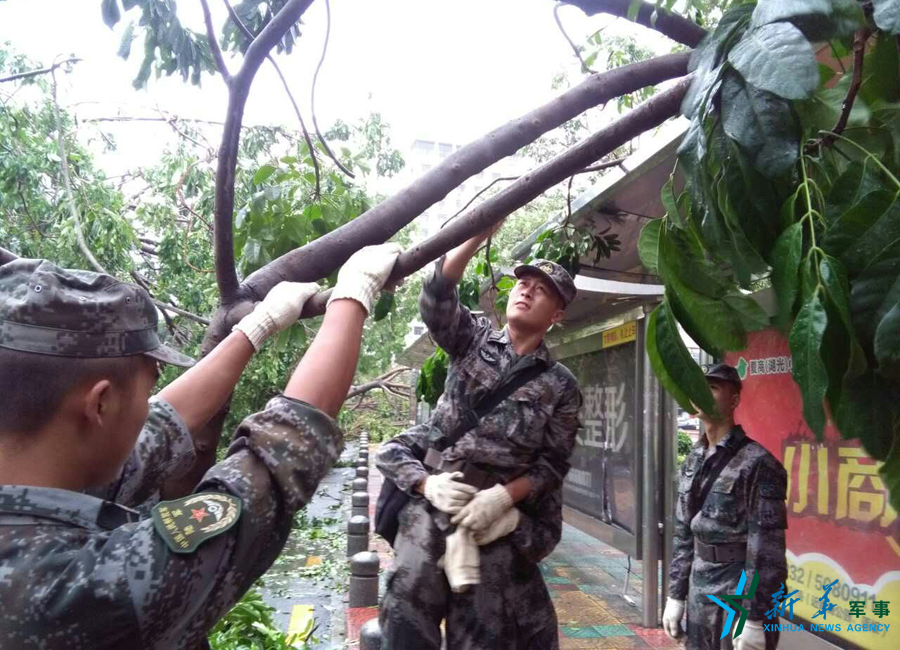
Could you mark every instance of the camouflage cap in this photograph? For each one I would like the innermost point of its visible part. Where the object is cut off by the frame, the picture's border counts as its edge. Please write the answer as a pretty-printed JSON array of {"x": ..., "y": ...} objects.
[
  {"x": 553, "y": 273},
  {"x": 723, "y": 372},
  {"x": 48, "y": 310}
]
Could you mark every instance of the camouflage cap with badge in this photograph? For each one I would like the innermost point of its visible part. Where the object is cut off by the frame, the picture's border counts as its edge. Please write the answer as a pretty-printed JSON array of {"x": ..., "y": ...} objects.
[
  {"x": 45, "y": 309},
  {"x": 552, "y": 273}
]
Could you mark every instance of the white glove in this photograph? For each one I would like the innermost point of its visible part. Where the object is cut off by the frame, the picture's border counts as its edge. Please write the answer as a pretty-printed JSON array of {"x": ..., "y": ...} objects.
[
  {"x": 753, "y": 637},
  {"x": 672, "y": 617},
  {"x": 363, "y": 275},
  {"x": 502, "y": 527},
  {"x": 484, "y": 509},
  {"x": 447, "y": 494},
  {"x": 279, "y": 309},
  {"x": 462, "y": 561}
]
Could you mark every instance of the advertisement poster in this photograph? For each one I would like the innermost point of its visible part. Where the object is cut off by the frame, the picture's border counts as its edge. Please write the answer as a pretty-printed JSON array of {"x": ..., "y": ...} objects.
[
  {"x": 840, "y": 525},
  {"x": 601, "y": 482}
]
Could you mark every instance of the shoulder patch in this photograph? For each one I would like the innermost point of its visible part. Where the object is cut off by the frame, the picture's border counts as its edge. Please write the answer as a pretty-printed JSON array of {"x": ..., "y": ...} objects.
[{"x": 184, "y": 524}]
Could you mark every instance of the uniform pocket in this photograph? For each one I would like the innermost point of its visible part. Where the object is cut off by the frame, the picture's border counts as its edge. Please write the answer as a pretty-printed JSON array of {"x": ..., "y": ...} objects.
[
  {"x": 528, "y": 417},
  {"x": 722, "y": 503}
]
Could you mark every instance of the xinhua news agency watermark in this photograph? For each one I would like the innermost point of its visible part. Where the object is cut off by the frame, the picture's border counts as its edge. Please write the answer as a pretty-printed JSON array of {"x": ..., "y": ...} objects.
[{"x": 783, "y": 606}]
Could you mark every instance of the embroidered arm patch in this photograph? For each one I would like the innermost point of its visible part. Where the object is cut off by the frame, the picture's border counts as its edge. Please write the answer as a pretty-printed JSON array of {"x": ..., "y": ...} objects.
[{"x": 184, "y": 524}]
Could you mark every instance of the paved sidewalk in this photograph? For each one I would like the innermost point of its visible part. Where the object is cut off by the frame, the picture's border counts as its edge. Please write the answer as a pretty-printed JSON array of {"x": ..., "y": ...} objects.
[{"x": 586, "y": 579}]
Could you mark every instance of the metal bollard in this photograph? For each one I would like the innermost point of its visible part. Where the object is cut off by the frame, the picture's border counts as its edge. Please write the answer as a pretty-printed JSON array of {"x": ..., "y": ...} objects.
[
  {"x": 364, "y": 579},
  {"x": 370, "y": 636},
  {"x": 360, "y": 485},
  {"x": 364, "y": 457},
  {"x": 359, "y": 504},
  {"x": 357, "y": 535},
  {"x": 362, "y": 472}
]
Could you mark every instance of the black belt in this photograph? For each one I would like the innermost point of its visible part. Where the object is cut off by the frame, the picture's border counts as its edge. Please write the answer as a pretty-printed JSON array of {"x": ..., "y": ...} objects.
[
  {"x": 724, "y": 553},
  {"x": 471, "y": 475}
]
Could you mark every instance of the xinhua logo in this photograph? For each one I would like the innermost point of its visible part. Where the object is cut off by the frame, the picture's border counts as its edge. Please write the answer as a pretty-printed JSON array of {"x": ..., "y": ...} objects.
[{"x": 733, "y": 607}]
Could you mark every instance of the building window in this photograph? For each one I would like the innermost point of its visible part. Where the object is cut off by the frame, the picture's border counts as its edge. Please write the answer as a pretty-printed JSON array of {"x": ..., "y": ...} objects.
[
  {"x": 445, "y": 148},
  {"x": 424, "y": 146},
  {"x": 418, "y": 330}
]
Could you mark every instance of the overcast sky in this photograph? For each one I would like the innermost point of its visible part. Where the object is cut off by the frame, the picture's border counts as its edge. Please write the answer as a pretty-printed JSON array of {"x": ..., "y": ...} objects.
[{"x": 435, "y": 69}]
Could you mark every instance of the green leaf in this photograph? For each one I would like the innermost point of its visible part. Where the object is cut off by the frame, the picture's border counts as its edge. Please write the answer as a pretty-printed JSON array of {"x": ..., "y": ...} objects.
[
  {"x": 770, "y": 11},
  {"x": 834, "y": 278},
  {"x": 786, "y": 271},
  {"x": 633, "y": 9},
  {"x": 818, "y": 19},
  {"x": 851, "y": 187},
  {"x": 881, "y": 72},
  {"x": 110, "y": 11},
  {"x": 809, "y": 369},
  {"x": 777, "y": 58},
  {"x": 320, "y": 226},
  {"x": 887, "y": 343},
  {"x": 763, "y": 124},
  {"x": 710, "y": 50},
  {"x": 751, "y": 316},
  {"x": 862, "y": 237},
  {"x": 712, "y": 319},
  {"x": 684, "y": 262},
  {"x": 127, "y": 38},
  {"x": 867, "y": 409},
  {"x": 690, "y": 324},
  {"x": 875, "y": 290},
  {"x": 262, "y": 174},
  {"x": 673, "y": 364},
  {"x": 384, "y": 306},
  {"x": 851, "y": 226},
  {"x": 887, "y": 15},
  {"x": 648, "y": 244}
]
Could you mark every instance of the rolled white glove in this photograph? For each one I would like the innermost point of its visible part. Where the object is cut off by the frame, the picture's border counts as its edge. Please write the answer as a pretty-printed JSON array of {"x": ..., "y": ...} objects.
[
  {"x": 752, "y": 637},
  {"x": 279, "y": 309},
  {"x": 502, "y": 527},
  {"x": 462, "y": 561},
  {"x": 672, "y": 617},
  {"x": 484, "y": 509},
  {"x": 447, "y": 494},
  {"x": 363, "y": 275}
]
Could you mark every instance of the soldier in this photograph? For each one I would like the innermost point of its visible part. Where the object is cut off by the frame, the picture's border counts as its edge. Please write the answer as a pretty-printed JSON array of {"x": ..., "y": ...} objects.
[
  {"x": 78, "y": 358},
  {"x": 740, "y": 527},
  {"x": 516, "y": 454}
]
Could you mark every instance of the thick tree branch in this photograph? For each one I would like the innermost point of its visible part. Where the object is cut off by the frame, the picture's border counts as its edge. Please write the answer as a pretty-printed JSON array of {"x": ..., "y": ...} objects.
[
  {"x": 7, "y": 256},
  {"x": 249, "y": 36},
  {"x": 214, "y": 43},
  {"x": 672, "y": 25},
  {"x": 648, "y": 115},
  {"x": 239, "y": 89},
  {"x": 321, "y": 257},
  {"x": 34, "y": 73}
]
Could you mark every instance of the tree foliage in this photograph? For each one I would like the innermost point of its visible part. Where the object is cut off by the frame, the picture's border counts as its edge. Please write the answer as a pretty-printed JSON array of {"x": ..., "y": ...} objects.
[{"x": 791, "y": 172}]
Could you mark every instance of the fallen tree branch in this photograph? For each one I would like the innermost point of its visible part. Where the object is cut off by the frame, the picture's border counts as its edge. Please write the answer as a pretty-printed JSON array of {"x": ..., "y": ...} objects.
[
  {"x": 648, "y": 115},
  {"x": 672, "y": 25},
  {"x": 321, "y": 257},
  {"x": 34, "y": 73},
  {"x": 7, "y": 256},
  {"x": 379, "y": 382}
]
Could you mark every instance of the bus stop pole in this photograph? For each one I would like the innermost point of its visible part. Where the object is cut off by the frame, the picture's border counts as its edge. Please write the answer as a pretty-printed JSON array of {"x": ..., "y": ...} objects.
[{"x": 652, "y": 490}]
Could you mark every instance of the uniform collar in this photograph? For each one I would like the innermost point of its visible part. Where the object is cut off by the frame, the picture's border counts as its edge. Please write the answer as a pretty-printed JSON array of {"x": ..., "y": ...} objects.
[
  {"x": 501, "y": 337},
  {"x": 64, "y": 506}
]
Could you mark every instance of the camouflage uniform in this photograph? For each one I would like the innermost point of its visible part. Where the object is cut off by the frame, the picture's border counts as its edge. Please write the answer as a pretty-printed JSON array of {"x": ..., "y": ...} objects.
[
  {"x": 532, "y": 433},
  {"x": 164, "y": 451},
  {"x": 79, "y": 572},
  {"x": 746, "y": 504}
]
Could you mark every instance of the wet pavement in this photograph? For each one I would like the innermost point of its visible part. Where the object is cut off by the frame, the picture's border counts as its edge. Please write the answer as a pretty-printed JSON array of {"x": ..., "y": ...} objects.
[{"x": 586, "y": 578}]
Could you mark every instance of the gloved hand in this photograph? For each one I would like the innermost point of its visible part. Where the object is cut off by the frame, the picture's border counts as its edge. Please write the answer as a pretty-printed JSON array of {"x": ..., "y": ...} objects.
[
  {"x": 672, "y": 617},
  {"x": 753, "y": 637},
  {"x": 484, "y": 509},
  {"x": 447, "y": 494},
  {"x": 279, "y": 309},
  {"x": 502, "y": 527},
  {"x": 363, "y": 275}
]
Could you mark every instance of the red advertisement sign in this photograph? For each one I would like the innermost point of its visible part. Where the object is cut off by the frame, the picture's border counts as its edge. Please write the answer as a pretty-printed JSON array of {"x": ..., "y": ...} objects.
[{"x": 840, "y": 524}]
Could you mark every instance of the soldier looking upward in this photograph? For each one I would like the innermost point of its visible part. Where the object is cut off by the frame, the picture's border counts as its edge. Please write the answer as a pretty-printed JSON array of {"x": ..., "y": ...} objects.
[
  {"x": 78, "y": 359},
  {"x": 500, "y": 480},
  {"x": 739, "y": 527}
]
